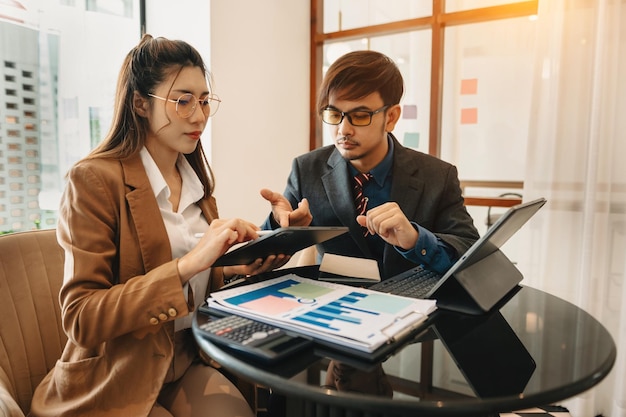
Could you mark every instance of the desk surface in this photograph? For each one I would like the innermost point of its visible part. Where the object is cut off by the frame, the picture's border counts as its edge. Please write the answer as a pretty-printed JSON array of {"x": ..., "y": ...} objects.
[{"x": 537, "y": 349}]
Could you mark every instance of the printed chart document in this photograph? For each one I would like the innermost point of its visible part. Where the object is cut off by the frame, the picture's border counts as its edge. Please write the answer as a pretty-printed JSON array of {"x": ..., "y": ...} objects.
[{"x": 354, "y": 317}]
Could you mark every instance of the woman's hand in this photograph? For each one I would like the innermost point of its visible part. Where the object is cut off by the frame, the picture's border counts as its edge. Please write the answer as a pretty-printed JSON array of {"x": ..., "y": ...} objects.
[
  {"x": 258, "y": 266},
  {"x": 221, "y": 235}
]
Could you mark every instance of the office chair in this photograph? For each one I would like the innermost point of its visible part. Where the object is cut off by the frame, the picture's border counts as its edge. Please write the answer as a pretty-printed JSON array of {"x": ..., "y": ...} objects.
[
  {"x": 31, "y": 334},
  {"x": 493, "y": 217}
]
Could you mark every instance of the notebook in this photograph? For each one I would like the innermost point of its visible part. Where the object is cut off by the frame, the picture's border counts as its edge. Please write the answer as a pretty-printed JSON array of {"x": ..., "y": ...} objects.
[
  {"x": 285, "y": 240},
  {"x": 480, "y": 279}
]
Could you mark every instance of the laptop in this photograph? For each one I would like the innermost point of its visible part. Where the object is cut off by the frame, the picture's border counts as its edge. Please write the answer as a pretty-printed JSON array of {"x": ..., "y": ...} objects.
[
  {"x": 480, "y": 279},
  {"x": 284, "y": 240}
]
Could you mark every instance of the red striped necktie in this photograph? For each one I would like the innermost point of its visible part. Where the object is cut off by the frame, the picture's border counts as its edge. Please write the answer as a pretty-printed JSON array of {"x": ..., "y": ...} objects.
[{"x": 360, "y": 200}]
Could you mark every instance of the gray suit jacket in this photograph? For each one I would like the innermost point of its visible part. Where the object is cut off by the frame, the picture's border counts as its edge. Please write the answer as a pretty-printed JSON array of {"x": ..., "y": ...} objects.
[{"x": 426, "y": 188}]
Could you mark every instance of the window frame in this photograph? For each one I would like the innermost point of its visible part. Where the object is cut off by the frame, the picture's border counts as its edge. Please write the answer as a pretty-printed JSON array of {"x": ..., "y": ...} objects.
[{"x": 437, "y": 23}]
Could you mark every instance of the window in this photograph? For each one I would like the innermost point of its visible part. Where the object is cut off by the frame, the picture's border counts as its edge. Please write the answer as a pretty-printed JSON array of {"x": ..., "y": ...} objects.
[
  {"x": 421, "y": 37},
  {"x": 467, "y": 67},
  {"x": 55, "y": 95}
]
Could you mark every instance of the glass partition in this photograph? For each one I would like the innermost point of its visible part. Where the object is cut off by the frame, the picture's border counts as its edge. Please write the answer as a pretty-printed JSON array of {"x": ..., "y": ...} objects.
[{"x": 488, "y": 71}]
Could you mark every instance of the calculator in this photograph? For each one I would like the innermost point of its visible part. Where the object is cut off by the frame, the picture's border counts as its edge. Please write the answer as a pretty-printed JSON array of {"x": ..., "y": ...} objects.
[{"x": 256, "y": 339}]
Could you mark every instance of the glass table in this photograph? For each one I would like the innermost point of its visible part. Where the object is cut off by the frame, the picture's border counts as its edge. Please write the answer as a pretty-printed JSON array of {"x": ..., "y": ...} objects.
[{"x": 536, "y": 349}]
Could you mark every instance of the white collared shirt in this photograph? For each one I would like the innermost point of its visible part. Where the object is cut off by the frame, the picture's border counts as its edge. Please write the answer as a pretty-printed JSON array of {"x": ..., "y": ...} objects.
[{"x": 182, "y": 225}]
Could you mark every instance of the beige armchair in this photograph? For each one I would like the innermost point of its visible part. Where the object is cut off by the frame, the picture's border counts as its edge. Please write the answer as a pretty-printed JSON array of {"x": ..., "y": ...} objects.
[{"x": 31, "y": 337}]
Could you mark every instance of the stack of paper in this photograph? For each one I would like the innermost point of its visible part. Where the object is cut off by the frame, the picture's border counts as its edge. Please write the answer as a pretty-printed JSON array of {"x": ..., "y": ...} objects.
[
  {"x": 355, "y": 317},
  {"x": 338, "y": 268}
]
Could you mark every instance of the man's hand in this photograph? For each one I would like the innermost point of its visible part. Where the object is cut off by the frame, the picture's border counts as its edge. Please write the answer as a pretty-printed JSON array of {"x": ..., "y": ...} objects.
[
  {"x": 258, "y": 266},
  {"x": 390, "y": 223},
  {"x": 284, "y": 214}
]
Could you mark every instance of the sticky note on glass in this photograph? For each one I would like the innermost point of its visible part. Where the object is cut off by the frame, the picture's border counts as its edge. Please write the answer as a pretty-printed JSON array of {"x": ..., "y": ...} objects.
[
  {"x": 411, "y": 139},
  {"x": 409, "y": 111},
  {"x": 469, "y": 116},
  {"x": 469, "y": 86}
]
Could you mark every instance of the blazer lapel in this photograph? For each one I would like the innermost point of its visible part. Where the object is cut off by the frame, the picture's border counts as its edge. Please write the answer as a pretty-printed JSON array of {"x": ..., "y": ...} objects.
[
  {"x": 407, "y": 186},
  {"x": 144, "y": 210}
]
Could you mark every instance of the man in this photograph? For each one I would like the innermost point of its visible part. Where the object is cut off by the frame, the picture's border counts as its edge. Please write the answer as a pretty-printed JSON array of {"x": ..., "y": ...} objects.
[{"x": 413, "y": 210}]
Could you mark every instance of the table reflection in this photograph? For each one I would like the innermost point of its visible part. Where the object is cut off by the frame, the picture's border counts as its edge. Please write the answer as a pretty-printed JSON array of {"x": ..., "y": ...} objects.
[
  {"x": 487, "y": 351},
  {"x": 343, "y": 377}
]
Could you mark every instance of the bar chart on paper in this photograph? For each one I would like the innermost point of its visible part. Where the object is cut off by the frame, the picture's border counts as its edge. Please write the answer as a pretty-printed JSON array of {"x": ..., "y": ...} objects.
[
  {"x": 345, "y": 314},
  {"x": 352, "y": 309}
]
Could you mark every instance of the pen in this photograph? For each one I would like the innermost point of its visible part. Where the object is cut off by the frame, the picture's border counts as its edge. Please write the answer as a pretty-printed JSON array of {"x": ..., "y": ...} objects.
[{"x": 258, "y": 232}]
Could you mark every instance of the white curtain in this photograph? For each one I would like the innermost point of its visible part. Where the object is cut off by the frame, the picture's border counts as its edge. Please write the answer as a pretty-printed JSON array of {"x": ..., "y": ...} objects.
[{"x": 577, "y": 160}]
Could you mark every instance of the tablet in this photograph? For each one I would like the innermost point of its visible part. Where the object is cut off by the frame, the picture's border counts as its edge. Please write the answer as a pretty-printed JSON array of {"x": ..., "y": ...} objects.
[{"x": 285, "y": 240}]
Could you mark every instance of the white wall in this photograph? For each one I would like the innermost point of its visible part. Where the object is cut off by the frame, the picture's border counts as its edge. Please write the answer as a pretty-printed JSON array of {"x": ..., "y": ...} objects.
[
  {"x": 260, "y": 60},
  {"x": 258, "y": 52},
  {"x": 188, "y": 20}
]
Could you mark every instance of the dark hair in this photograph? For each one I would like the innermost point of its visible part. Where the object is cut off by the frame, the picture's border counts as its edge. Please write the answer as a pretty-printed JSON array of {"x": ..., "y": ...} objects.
[
  {"x": 360, "y": 73},
  {"x": 145, "y": 66}
]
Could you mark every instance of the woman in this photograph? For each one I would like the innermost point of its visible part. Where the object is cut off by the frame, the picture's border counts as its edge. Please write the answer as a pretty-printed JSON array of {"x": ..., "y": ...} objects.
[{"x": 134, "y": 268}]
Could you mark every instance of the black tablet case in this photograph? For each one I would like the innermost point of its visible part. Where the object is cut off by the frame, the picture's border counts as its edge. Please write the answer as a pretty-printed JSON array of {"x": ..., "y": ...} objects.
[{"x": 285, "y": 240}]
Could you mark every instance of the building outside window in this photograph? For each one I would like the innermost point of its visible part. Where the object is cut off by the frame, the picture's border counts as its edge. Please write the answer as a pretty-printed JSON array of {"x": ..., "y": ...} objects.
[{"x": 58, "y": 72}]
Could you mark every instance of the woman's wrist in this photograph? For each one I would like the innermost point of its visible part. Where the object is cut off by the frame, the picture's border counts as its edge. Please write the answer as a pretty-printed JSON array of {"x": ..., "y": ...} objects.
[{"x": 183, "y": 270}]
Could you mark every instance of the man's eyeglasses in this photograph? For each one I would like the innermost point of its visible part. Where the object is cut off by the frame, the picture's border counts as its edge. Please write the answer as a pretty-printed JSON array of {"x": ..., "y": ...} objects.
[
  {"x": 186, "y": 104},
  {"x": 356, "y": 117}
]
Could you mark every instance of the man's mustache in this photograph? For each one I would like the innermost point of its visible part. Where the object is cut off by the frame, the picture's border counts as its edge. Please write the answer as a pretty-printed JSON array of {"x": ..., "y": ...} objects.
[{"x": 345, "y": 139}]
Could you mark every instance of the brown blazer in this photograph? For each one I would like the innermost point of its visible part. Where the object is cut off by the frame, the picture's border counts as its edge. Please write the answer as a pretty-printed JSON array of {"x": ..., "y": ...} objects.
[{"x": 120, "y": 345}]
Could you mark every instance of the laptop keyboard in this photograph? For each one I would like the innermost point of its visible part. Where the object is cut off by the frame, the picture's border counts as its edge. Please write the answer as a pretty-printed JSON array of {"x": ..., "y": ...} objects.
[{"x": 416, "y": 283}]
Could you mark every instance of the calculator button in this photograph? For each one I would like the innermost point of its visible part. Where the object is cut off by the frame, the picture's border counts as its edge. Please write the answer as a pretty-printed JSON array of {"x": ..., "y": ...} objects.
[
  {"x": 261, "y": 340},
  {"x": 259, "y": 335}
]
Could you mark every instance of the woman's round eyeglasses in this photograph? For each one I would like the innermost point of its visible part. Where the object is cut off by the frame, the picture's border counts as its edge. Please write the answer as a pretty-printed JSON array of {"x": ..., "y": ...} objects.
[{"x": 186, "y": 104}]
